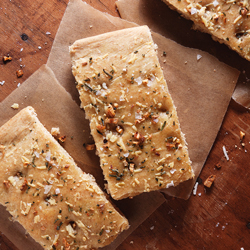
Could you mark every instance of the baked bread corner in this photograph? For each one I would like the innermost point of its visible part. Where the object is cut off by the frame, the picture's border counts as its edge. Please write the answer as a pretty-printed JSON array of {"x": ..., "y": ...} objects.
[{"x": 59, "y": 205}]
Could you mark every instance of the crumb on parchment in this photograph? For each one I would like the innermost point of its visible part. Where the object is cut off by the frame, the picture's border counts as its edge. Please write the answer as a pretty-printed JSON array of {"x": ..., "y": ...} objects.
[
  {"x": 55, "y": 132},
  {"x": 15, "y": 106},
  {"x": 90, "y": 147}
]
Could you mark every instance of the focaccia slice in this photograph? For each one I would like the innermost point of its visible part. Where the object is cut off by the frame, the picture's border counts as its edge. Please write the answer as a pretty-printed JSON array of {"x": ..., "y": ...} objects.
[
  {"x": 132, "y": 116},
  {"x": 227, "y": 21},
  {"x": 60, "y": 206}
]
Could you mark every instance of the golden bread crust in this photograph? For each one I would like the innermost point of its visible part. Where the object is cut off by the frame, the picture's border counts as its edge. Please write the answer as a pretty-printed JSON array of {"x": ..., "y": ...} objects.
[
  {"x": 132, "y": 116},
  {"x": 44, "y": 190},
  {"x": 227, "y": 21}
]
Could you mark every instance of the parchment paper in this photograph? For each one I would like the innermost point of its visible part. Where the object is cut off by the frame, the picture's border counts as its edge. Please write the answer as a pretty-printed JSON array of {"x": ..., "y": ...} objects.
[
  {"x": 201, "y": 89},
  {"x": 80, "y": 20},
  {"x": 161, "y": 19},
  {"x": 55, "y": 108}
]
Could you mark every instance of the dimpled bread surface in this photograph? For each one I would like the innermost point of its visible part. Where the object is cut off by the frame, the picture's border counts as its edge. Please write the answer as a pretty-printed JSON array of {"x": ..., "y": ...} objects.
[
  {"x": 226, "y": 20},
  {"x": 60, "y": 206},
  {"x": 132, "y": 117}
]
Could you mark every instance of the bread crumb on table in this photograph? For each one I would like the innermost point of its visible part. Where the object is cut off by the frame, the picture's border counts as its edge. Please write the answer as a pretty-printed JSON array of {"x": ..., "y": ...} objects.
[
  {"x": 218, "y": 165},
  {"x": 19, "y": 73},
  {"x": 7, "y": 59},
  {"x": 209, "y": 181}
]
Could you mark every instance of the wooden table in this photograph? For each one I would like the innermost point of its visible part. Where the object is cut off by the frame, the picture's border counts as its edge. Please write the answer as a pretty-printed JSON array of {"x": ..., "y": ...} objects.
[{"x": 216, "y": 218}]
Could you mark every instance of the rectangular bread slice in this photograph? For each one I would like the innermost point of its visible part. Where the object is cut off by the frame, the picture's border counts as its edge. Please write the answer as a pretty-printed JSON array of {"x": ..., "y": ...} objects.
[
  {"x": 227, "y": 21},
  {"x": 60, "y": 206},
  {"x": 132, "y": 116}
]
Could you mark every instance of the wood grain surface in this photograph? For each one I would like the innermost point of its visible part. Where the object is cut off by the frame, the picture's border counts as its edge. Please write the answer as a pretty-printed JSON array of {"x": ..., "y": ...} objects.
[{"x": 216, "y": 218}]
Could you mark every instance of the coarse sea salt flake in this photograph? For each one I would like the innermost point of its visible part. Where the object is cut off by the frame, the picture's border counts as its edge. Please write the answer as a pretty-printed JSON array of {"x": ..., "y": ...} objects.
[
  {"x": 225, "y": 152},
  {"x": 47, "y": 189},
  {"x": 215, "y": 3},
  {"x": 48, "y": 155},
  {"x": 36, "y": 154},
  {"x": 122, "y": 99},
  {"x": 199, "y": 57},
  {"x": 193, "y": 11},
  {"x": 104, "y": 85},
  {"x": 138, "y": 115},
  {"x": 2, "y": 83},
  {"x": 149, "y": 83},
  {"x": 195, "y": 188},
  {"x": 171, "y": 184},
  {"x": 172, "y": 171},
  {"x": 138, "y": 80},
  {"x": 103, "y": 93}
]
